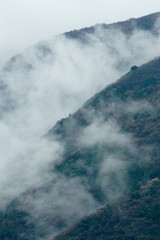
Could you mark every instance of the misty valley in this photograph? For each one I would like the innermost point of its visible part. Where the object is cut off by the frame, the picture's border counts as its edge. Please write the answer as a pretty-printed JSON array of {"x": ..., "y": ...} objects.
[{"x": 80, "y": 135}]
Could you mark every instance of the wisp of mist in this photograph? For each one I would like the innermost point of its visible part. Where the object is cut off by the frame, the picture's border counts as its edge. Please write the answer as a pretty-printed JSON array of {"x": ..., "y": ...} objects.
[{"x": 46, "y": 83}]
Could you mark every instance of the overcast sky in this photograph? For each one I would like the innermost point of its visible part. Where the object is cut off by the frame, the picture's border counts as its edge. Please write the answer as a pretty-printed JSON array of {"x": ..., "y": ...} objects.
[{"x": 24, "y": 22}]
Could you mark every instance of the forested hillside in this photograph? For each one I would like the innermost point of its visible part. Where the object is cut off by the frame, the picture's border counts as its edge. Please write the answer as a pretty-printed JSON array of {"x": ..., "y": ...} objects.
[
  {"x": 137, "y": 217},
  {"x": 94, "y": 174},
  {"x": 132, "y": 106}
]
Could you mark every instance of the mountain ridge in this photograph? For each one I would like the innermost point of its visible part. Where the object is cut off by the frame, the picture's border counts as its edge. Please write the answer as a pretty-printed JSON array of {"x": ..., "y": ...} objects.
[
  {"x": 111, "y": 150},
  {"x": 127, "y": 26},
  {"x": 146, "y": 23}
]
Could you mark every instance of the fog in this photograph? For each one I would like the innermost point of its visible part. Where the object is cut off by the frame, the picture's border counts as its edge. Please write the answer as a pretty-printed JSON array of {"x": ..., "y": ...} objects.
[
  {"x": 23, "y": 23},
  {"x": 118, "y": 149},
  {"x": 45, "y": 83}
]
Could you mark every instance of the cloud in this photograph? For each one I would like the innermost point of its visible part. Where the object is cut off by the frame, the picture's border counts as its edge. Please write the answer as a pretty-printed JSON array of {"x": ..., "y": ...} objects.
[
  {"x": 25, "y": 164},
  {"x": 45, "y": 83},
  {"x": 64, "y": 200},
  {"x": 23, "y": 23},
  {"x": 115, "y": 149},
  {"x": 112, "y": 176},
  {"x": 100, "y": 132}
]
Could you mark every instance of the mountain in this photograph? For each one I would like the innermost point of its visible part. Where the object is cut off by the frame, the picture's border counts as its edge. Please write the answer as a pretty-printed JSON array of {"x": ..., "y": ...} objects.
[
  {"x": 146, "y": 23},
  {"x": 131, "y": 169},
  {"x": 110, "y": 147},
  {"x": 135, "y": 218},
  {"x": 133, "y": 103}
]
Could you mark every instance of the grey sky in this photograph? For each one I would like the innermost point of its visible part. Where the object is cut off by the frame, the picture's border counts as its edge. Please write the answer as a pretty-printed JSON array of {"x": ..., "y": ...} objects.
[{"x": 24, "y": 22}]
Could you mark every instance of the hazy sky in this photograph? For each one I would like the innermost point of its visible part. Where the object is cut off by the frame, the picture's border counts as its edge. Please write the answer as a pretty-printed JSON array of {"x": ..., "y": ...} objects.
[{"x": 24, "y": 22}]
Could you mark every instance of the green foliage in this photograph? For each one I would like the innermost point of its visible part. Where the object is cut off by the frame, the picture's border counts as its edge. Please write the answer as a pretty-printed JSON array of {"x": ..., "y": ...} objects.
[
  {"x": 15, "y": 225},
  {"x": 144, "y": 127},
  {"x": 134, "y": 68},
  {"x": 136, "y": 218}
]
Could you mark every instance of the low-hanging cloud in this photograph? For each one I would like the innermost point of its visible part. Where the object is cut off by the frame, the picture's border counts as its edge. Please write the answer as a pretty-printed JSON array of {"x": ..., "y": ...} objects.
[
  {"x": 45, "y": 83},
  {"x": 114, "y": 143},
  {"x": 117, "y": 149},
  {"x": 100, "y": 132}
]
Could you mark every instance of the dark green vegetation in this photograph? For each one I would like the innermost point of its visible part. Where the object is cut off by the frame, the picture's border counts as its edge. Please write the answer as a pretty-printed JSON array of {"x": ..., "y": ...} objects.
[
  {"x": 15, "y": 225},
  {"x": 131, "y": 109},
  {"x": 135, "y": 218},
  {"x": 117, "y": 103},
  {"x": 140, "y": 216}
]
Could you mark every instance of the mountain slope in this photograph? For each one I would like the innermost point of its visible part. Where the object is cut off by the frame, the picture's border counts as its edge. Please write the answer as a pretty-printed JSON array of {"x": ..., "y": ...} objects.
[
  {"x": 111, "y": 144},
  {"x": 133, "y": 103},
  {"x": 121, "y": 161},
  {"x": 135, "y": 218},
  {"x": 138, "y": 216}
]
